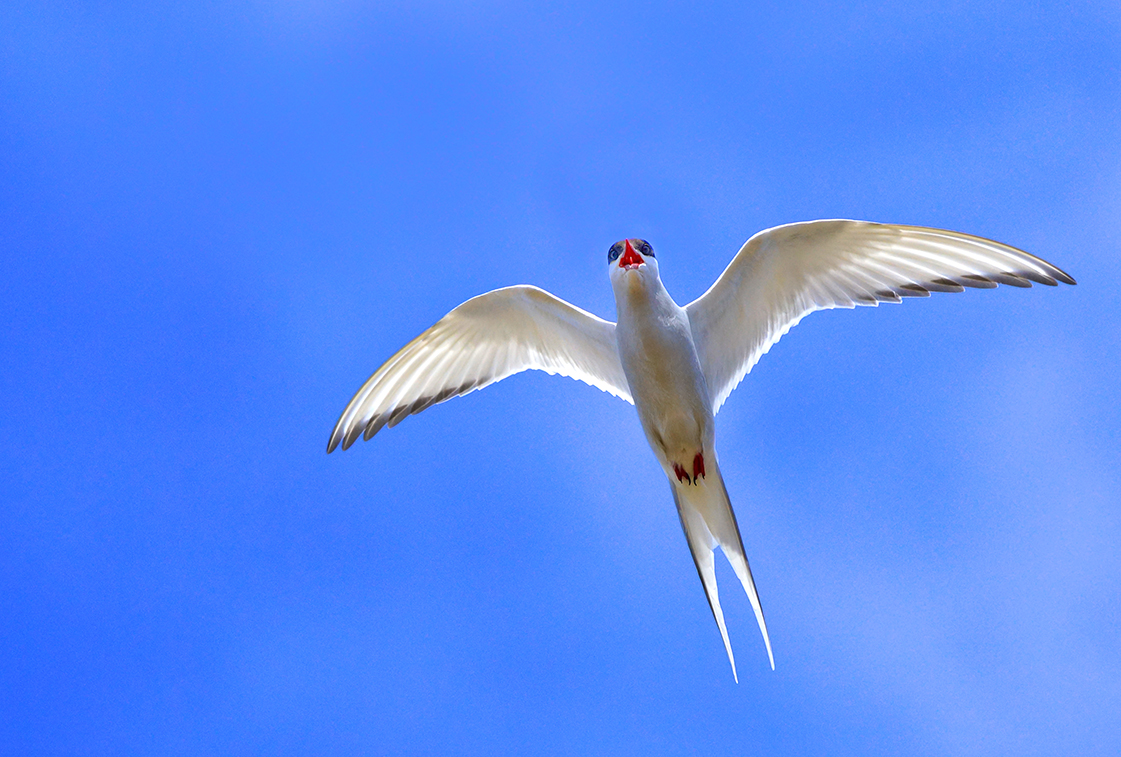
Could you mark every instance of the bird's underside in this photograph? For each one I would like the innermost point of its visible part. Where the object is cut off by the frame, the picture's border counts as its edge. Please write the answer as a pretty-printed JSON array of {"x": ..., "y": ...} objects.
[{"x": 778, "y": 277}]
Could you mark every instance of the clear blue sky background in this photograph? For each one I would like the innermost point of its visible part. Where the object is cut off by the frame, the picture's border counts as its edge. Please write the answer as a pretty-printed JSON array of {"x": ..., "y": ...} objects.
[{"x": 217, "y": 220}]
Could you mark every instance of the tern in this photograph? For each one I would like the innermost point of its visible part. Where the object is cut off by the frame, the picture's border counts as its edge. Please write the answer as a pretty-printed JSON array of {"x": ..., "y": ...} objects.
[{"x": 677, "y": 365}]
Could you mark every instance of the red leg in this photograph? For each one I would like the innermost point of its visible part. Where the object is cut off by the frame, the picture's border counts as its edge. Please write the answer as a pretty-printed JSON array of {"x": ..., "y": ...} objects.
[
  {"x": 698, "y": 466},
  {"x": 681, "y": 474}
]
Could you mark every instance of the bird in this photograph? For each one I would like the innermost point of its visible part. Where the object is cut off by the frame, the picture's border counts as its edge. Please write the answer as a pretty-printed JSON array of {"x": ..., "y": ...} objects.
[{"x": 678, "y": 365}]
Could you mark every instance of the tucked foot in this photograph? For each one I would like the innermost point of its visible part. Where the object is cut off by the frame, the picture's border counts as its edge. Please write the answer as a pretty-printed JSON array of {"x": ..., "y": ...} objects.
[
  {"x": 679, "y": 469},
  {"x": 698, "y": 466},
  {"x": 682, "y": 472}
]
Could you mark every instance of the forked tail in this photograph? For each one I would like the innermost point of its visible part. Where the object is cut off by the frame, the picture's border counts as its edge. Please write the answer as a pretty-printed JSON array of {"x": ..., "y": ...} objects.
[{"x": 707, "y": 518}]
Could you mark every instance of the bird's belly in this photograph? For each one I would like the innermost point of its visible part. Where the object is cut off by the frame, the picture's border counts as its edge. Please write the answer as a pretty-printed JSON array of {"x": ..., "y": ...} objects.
[{"x": 669, "y": 395}]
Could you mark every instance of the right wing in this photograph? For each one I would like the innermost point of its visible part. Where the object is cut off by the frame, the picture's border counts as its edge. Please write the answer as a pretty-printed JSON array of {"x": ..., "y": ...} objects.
[
  {"x": 783, "y": 274},
  {"x": 484, "y": 340}
]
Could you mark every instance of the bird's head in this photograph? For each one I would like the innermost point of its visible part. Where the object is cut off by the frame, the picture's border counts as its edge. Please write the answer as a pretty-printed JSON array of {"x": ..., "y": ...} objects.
[{"x": 631, "y": 261}]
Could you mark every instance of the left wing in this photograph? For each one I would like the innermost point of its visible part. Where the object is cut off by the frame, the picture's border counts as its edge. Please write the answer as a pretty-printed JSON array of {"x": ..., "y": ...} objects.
[
  {"x": 484, "y": 340},
  {"x": 783, "y": 274}
]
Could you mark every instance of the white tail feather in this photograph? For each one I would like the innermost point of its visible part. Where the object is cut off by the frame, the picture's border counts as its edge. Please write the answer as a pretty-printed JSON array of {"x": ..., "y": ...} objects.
[{"x": 707, "y": 519}]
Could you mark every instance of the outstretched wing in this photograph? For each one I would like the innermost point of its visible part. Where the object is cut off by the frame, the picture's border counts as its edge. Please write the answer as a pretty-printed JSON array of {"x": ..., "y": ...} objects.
[
  {"x": 484, "y": 340},
  {"x": 783, "y": 274}
]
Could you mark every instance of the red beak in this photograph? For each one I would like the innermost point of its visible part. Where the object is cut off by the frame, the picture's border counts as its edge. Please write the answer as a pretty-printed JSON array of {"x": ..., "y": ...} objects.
[{"x": 630, "y": 257}]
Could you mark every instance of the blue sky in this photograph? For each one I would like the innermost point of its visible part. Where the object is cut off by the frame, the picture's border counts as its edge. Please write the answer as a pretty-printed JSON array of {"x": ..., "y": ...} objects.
[{"x": 217, "y": 219}]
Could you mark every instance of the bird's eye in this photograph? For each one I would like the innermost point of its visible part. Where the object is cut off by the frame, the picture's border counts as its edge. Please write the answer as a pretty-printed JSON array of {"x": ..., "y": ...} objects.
[
  {"x": 613, "y": 253},
  {"x": 645, "y": 248}
]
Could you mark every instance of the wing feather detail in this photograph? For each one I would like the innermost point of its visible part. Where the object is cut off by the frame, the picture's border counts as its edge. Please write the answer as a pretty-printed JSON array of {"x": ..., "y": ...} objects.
[
  {"x": 484, "y": 340},
  {"x": 783, "y": 274}
]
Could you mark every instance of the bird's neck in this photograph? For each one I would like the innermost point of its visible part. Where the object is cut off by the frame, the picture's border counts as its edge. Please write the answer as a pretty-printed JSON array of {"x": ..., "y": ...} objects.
[{"x": 642, "y": 297}]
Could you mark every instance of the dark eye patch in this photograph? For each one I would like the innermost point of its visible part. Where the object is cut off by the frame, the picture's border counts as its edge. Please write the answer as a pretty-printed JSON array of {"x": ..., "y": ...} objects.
[
  {"x": 645, "y": 248},
  {"x": 614, "y": 253}
]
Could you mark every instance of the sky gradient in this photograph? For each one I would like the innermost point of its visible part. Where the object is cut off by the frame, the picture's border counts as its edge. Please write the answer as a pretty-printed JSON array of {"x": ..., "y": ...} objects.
[{"x": 217, "y": 219}]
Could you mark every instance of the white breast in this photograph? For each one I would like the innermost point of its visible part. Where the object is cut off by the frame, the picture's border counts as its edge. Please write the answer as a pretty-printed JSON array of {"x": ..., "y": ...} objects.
[{"x": 663, "y": 370}]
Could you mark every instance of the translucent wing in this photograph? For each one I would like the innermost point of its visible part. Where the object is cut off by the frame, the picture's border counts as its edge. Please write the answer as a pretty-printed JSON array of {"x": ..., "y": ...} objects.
[
  {"x": 783, "y": 274},
  {"x": 484, "y": 340}
]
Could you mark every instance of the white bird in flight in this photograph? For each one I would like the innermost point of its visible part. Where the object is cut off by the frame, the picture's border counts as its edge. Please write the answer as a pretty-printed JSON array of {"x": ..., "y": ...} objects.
[{"x": 678, "y": 365}]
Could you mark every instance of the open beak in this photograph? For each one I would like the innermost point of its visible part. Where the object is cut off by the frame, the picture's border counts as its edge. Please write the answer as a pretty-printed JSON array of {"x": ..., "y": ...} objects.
[{"x": 630, "y": 258}]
